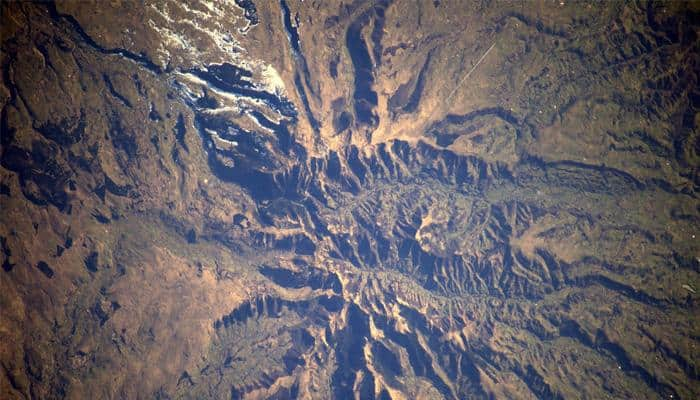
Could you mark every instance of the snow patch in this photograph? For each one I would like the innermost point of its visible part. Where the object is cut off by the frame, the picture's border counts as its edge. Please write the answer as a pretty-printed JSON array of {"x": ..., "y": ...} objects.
[{"x": 272, "y": 80}]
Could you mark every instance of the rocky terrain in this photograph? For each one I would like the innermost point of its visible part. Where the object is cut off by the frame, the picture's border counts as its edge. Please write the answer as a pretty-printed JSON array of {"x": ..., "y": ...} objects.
[{"x": 334, "y": 199}]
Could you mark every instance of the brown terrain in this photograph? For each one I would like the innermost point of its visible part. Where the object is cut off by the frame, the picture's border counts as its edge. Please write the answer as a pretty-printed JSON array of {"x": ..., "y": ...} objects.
[{"x": 349, "y": 199}]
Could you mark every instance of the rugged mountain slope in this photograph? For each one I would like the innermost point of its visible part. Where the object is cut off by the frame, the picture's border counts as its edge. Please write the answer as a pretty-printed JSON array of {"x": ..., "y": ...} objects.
[{"x": 314, "y": 200}]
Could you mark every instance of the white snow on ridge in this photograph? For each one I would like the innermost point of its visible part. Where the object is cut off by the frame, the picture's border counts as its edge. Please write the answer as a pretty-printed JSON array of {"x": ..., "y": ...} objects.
[
  {"x": 222, "y": 110},
  {"x": 204, "y": 33},
  {"x": 207, "y": 24},
  {"x": 219, "y": 142},
  {"x": 194, "y": 79},
  {"x": 238, "y": 101},
  {"x": 272, "y": 80},
  {"x": 212, "y": 8}
]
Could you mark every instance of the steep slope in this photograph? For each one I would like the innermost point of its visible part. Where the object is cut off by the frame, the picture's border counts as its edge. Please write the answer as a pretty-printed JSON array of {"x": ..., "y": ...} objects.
[{"x": 283, "y": 200}]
